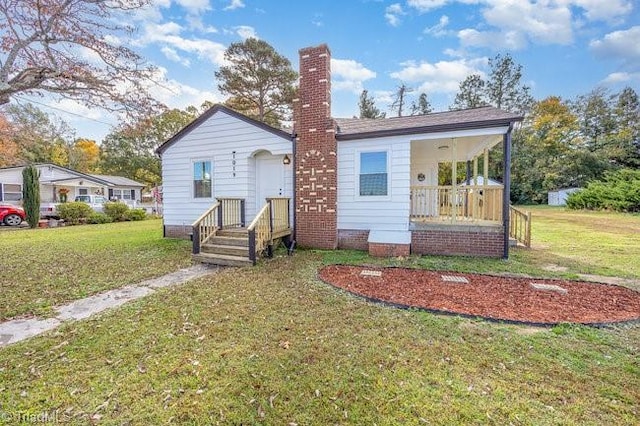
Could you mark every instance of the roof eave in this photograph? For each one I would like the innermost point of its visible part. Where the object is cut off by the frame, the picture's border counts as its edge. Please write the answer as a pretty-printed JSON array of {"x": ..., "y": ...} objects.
[
  {"x": 210, "y": 112},
  {"x": 429, "y": 129}
]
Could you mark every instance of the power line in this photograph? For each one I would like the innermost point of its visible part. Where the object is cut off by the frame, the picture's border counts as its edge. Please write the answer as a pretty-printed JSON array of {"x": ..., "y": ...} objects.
[{"x": 62, "y": 110}]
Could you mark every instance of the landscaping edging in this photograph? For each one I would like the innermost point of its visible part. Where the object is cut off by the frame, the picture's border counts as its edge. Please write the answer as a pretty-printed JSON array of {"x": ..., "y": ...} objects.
[{"x": 421, "y": 306}]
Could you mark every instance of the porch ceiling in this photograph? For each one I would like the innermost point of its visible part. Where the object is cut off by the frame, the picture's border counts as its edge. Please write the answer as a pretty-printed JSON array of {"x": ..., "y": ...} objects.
[{"x": 443, "y": 149}]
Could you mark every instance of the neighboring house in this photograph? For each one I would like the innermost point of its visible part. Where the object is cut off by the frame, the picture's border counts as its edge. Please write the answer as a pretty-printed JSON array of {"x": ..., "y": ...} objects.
[
  {"x": 58, "y": 183},
  {"x": 559, "y": 196},
  {"x": 368, "y": 184}
]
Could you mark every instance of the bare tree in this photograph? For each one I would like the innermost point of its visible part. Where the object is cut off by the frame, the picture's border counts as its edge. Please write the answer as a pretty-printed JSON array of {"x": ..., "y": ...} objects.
[
  {"x": 400, "y": 98},
  {"x": 72, "y": 48}
]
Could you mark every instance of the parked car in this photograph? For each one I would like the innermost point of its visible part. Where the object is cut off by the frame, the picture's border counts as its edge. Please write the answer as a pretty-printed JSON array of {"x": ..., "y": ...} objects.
[
  {"x": 96, "y": 202},
  {"x": 11, "y": 215}
]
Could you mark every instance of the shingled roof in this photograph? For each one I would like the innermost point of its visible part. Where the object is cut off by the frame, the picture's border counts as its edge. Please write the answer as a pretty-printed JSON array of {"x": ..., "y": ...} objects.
[{"x": 362, "y": 128}]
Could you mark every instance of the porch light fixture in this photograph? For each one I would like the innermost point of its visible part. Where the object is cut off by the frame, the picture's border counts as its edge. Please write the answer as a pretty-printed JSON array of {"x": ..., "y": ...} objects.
[{"x": 286, "y": 160}]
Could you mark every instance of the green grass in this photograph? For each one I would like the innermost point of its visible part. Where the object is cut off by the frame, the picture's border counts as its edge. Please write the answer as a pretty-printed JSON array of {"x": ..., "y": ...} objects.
[
  {"x": 42, "y": 268},
  {"x": 602, "y": 243},
  {"x": 273, "y": 345}
]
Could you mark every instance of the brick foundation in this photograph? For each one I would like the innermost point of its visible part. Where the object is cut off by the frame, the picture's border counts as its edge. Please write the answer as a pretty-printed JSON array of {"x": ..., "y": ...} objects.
[
  {"x": 316, "y": 147},
  {"x": 177, "y": 231},
  {"x": 355, "y": 239},
  {"x": 388, "y": 250},
  {"x": 473, "y": 241}
]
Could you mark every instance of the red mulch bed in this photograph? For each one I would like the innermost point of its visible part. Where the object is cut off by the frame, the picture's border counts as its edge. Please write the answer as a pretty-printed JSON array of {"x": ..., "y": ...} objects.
[{"x": 492, "y": 297}]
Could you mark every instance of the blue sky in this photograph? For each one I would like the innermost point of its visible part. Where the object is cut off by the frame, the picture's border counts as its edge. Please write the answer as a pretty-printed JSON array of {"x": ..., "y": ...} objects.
[{"x": 567, "y": 47}]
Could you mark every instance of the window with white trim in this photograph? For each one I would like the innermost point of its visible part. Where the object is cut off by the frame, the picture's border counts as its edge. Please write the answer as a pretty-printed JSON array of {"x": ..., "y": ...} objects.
[
  {"x": 373, "y": 174},
  {"x": 121, "y": 194},
  {"x": 202, "y": 179},
  {"x": 11, "y": 192}
]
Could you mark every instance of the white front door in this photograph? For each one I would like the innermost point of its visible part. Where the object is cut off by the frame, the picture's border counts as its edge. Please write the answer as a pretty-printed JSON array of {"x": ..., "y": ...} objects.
[{"x": 269, "y": 177}]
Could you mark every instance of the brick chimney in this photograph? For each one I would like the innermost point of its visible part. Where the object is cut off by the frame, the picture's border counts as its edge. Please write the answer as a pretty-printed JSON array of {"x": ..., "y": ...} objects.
[{"x": 315, "y": 160}]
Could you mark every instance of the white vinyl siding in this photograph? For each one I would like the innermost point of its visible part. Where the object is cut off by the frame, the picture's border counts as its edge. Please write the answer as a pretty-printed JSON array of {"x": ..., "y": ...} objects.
[
  {"x": 387, "y": 213},
  {"x": 224, "y": 139}
]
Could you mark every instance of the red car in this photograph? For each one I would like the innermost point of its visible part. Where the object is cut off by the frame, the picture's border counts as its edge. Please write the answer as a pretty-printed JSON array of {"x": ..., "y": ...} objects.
[{"x": 11, "y": 215}]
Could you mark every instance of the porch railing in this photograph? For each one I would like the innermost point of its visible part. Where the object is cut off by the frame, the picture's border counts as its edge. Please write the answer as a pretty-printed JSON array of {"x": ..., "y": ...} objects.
[
  {"x": 231, "y": 213},
  {"x": 205, "y": 227},
  {"x": 468, "y": 203},
  {"x": 271, "y": 222},
  {"x": 520, "y": 226},
  {"x": 225, "y": 213}
]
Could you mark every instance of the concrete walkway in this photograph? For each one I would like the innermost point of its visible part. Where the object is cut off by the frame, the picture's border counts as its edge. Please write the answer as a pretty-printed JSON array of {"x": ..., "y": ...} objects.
[{"x": 21, "y": 329}]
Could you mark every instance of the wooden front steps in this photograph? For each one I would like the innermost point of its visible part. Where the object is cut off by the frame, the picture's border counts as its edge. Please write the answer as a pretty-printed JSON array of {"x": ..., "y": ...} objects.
[{"x": 228, "y": 247}]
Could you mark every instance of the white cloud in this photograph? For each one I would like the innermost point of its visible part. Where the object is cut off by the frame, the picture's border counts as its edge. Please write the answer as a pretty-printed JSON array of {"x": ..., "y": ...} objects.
[
  {"x": 622, "y": 45},
  {"x": 172, "y": 55},
  {"x": 604, "y": 10},
  {"x": 235, "y": 4},
  {"x": 426, "y": 5},
  {"x": 245, "y": 32},
  {"x": 168, "y": 35},
  {"x": 512, "y": 40},
  {"x": 194, "y": 6},
  {"x": 439, "y": 29},
  {"x": 175, "y": 94},
  {"x": 621, "y": 77},
  {"x": 77, "y": 109},
  {"x": 513, "y": 24},
  {"x": 392, "y": 14},
  {"x": 439, "y": 77},
  {"x": 348, "y": 74}
]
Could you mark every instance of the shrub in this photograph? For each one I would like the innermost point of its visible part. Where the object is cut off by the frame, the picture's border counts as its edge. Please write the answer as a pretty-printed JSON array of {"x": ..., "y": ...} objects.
[
  {"x": 618, "y": 191},
  {"x": 116, "y": 210},
  {"x": 72, "y": 213},
  {"x": 135, "y": 214},
  {"x": 99, "y": 218}
]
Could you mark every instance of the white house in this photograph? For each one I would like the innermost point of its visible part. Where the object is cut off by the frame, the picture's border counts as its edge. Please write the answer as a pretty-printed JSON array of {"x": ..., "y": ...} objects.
[
  {"x": 59, "y": 183},
  {"x": 559, "y": 196},
  {"x": 368, "y": 184}
]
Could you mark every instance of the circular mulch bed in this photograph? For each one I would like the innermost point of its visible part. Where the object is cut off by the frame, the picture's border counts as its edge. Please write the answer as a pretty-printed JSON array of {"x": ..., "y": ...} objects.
[{"x": 493, "y": 297}]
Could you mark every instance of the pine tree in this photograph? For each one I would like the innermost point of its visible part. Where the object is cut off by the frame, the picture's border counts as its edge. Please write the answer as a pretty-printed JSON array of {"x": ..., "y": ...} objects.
[
  {"x": 422, "y": 107},
  {"x": 400, "y": 99},
  {"x": 31, "y": 194},
  {"x": 368, "y": 107},
  {"x": 258, "y": 79}
]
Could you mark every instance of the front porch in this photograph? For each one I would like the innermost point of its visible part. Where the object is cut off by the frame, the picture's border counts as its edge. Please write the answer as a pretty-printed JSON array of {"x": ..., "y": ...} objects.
[{"x": 221, "y": 235}]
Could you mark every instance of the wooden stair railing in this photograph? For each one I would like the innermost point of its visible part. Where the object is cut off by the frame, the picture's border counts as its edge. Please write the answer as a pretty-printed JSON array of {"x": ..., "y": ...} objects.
[
  {"x": 520, "y": 226},
  {"x": 205, "y": 227},
  {"x": 260, "y": 232},
  {"x": 271, "y": 223}
]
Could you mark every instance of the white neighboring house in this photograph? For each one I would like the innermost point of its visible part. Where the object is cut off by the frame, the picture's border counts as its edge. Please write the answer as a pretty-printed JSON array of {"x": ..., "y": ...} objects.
[
  {"x": 559, "y": 196},
  {"x": 58, "y": 183}
]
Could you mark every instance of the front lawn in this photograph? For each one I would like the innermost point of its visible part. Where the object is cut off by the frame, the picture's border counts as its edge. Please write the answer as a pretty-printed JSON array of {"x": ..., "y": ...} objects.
[
  {"x": 46, "y": 267},
  {"x": 273, "y": 345}
]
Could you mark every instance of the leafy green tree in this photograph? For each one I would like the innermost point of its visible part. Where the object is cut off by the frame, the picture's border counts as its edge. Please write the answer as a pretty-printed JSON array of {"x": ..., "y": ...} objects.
[
  {"x": 367, "y": 106},
  {"x": 471, "y": 93},
  {"x": 39, "y": 137},
  {"x": 625, "y": 149},
  {"x": 422, "y": 107},
  {"x": 31, "y": 194},
  {"x": 596, "y": 115},
  {"x": 129, "y": 150},
  {"x": 261, "y": 81},
  {"x": 504, "y": 88}
]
